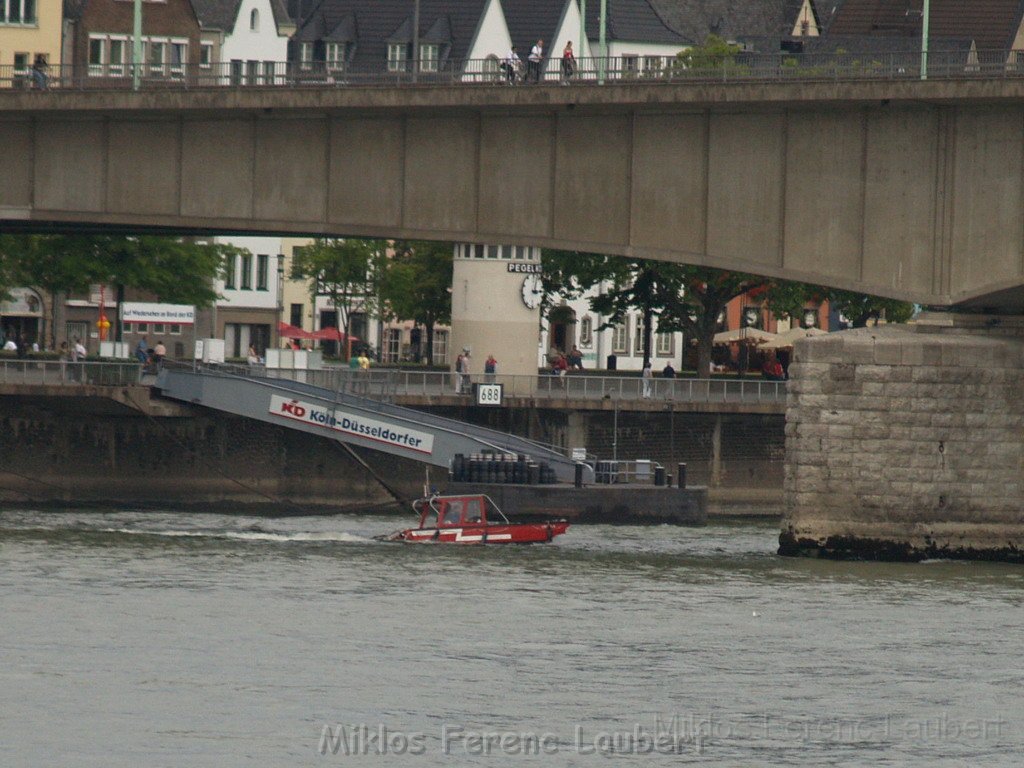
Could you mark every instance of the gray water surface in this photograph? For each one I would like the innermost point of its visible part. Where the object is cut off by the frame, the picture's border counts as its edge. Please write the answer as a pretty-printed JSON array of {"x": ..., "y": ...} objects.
[{"x": 166, "y": 639}]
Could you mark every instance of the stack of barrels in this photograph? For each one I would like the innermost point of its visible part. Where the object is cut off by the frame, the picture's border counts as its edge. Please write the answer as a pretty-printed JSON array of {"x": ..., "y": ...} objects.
[{"x": 495, "y": 467}]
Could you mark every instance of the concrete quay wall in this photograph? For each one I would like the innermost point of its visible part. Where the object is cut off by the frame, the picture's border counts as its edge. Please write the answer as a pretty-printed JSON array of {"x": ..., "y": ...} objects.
[{"x": 907, "y": 442}]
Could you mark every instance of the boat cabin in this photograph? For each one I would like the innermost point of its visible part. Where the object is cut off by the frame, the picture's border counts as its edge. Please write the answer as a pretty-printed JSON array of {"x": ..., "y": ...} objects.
[{"x": 454, "y": 511}]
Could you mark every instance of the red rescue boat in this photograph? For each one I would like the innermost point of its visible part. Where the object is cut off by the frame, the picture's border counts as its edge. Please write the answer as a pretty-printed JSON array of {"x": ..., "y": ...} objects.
[{"x": 472, "y": 519}]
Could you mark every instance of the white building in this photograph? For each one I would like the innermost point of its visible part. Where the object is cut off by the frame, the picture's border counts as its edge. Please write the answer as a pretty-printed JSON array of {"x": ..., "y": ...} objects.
[
  {"x": 250, "y": 307},
  {"x": 247, "y": 38}
]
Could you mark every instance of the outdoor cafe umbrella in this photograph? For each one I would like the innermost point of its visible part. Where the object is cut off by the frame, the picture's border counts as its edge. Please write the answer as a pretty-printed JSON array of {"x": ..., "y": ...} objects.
[
  {"x": 786, "y": 339},
  {"x": 752, "y": 336},
  {"x": 291, "y": 332}
]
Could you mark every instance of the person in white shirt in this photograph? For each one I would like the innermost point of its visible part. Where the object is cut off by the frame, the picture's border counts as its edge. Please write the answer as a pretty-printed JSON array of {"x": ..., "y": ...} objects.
[
  {"x": 511, "y": 66},
  {"x": 78, "y": 352},
  {"x": 534, "y": 60}
]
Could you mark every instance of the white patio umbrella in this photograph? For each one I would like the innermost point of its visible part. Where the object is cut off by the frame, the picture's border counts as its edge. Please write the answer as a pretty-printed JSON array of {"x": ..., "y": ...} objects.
[{"x": 752, "y": 336}]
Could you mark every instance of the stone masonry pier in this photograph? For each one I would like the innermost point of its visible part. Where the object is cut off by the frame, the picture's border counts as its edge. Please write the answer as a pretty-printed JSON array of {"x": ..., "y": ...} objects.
[{"x": 907, "y": 442}]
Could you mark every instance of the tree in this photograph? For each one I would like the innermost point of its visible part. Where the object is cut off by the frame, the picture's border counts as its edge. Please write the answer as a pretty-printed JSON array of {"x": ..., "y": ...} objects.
[
  {"x": 715, "y": 54},
  {"x": 416, "y": 285},
  {"x": 172, "y": 269},
  {"x": 175, "y": 270},
  {"x": 862, "y": 308},
  {"x": 346, "y": 271}
]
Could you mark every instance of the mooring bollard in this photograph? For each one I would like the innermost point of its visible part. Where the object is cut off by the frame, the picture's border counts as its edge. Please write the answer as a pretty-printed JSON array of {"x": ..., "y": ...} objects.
[
  {"x": 579, "y": 475},
  {"x": 681, "y": 470},
  {"x": 659, "y": 475}
]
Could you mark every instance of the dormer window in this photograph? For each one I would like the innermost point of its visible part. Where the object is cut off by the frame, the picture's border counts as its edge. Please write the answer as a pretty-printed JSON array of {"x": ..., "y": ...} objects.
[
  {"x": 398, "y": 55},
  {"x": 429, "y": 57},
  {"x": 254, "y": 20},
  {"x": 306, "y": 56},
  {"x": 335, "y": 57}
]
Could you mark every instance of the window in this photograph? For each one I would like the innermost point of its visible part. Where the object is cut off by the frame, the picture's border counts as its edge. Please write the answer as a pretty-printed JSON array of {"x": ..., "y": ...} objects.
[
  {"x": 268, "y": 72},
  {"x": 206, "y": 55},
  {"x": 620, "y": 339},
  {"x": 236, "y": 71},
  {"x": 440, "y": 347},
  {"x": 97, "y": 55},
  {"x": 306, "y": 56},
  {"x": 254, "y": 20},
  {"x": 158, "y": 327},
  {"x": 392, "y": 345},
  {"x": 429, "y": 57},
  {"x": 751, "y": 317},
  {"x": 664, "y": 344},
  {"x": 492, "y": 68},
  {"x": 246, "y": 281},
  {"x": 118, "y": 49},
  {"x": 175, "y": 329},
  {"x": 262, "y": 271},
  {"x": 586, "y": 331},
  {"x": 157, "y": 54},
  {"x": 179, "y": 56},
  {"x": 398, "y": 54},
  {"x": 18, "y": 12},
  {"x": 295, "y": 315},
  {"x": 652, "y": 66},
  {"x": 638, "y": 335},
  {"x": 491, "y": 251},
  {"x": 335, "y": 56},
  {"x": 810, "y": 319},
  {"x": 229, "y": 272},
  {"x": 142, "y": 327},
  {"x": 252, "y": 72},
  {"x": 630, "y": 65}
]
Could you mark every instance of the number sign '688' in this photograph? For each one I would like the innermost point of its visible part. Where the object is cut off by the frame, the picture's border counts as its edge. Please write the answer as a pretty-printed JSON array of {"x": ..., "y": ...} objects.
[{"x": 488, "y": 394}]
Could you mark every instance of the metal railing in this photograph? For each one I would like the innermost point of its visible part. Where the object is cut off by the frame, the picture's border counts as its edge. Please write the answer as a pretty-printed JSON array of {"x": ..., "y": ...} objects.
[
  {"x": 743, "y": 67},
  {"x": 67, "y": 373},
  {"x": 387, "y": 384}
]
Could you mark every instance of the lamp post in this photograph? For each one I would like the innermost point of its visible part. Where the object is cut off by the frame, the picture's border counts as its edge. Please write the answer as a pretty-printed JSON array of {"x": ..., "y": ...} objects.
[
  {"x": 924, "y": 39},
  {"x": 137, "y": 44},
  {"x": 415, "y": 39},
  {"x": 280, "y": 298}
]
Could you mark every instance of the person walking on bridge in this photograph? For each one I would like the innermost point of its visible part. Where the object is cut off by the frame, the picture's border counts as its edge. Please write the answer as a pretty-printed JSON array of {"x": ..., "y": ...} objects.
[
  {"x": 534, "y": 61},
  {"x": 568, "y": 63}
]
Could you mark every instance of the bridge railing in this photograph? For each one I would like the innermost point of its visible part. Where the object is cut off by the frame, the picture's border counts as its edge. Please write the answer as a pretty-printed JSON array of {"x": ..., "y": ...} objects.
[
  {"x": 955, "y": 63},
  {"x": 67, "y": 373}
]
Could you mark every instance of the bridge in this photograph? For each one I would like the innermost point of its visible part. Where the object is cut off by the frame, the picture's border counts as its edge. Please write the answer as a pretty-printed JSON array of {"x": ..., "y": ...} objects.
[{"x": 904, "y": 188}]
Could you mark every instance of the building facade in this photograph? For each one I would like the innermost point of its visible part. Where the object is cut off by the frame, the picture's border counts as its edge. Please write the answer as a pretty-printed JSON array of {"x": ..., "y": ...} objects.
[{"x": 30, "y": 30}]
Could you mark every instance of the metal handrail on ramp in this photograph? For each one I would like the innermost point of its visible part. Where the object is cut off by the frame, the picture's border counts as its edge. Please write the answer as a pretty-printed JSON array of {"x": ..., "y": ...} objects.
[{"x": 353, "y": 419}]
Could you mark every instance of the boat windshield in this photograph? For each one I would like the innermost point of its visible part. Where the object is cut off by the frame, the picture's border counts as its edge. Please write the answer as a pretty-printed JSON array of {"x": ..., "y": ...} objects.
[
  {"x": 452, "y": 512},
  {"x": 474, "y": 511}
]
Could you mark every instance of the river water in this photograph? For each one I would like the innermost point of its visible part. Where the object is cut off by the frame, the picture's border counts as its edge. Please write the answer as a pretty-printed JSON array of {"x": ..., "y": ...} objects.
[{"x": 166, "y": 639}]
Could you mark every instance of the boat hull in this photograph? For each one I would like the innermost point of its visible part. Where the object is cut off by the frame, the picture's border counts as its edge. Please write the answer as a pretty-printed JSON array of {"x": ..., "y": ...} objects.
[{"x": 511, "y": 533}]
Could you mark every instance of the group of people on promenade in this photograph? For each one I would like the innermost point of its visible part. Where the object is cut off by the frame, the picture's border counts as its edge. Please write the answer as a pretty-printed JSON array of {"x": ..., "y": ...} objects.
[
  {"x": 512, "y": 66},
  {"x": 151, "y": 358}
]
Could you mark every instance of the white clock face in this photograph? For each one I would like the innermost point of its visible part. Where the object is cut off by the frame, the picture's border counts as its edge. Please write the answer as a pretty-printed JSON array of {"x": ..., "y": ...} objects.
[{"x": 533, "y": 291}]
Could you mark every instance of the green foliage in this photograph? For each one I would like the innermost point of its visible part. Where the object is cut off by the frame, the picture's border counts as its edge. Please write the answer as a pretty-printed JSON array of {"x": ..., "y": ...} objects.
[
  {"x": 861, "y": 308},
  {"x": 715, "y": 54},
  {"x": 346, "y": 271},
  {"x": 416, "y": 285}
]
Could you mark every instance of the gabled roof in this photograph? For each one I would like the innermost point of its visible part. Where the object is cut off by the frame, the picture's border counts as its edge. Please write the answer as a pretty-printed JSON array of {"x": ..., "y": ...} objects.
[
  {"x": 532, "y": 20},
  {"x": 632, "y": 21},
  {"x": 991, "y": 24},
  {"x": 372, "y": 24},
  {"x": 223, "y": 14},
  {"x": 729, "y": 19}
]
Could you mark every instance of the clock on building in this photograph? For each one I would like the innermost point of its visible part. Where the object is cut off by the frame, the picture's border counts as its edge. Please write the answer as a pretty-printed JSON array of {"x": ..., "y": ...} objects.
[{"x": 533, "y": 291}]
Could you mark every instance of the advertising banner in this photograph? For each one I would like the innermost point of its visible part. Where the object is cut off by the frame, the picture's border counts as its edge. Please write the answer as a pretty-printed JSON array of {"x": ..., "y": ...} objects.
[
  {"x": 352, "y": 424},
  {"x": 143, "y": 312}
]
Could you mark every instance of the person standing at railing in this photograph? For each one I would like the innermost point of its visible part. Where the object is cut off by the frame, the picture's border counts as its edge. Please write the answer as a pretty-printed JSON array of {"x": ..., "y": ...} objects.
[
  {"x": 668, "y": 372},
  {"x": 142, "y": 351},
  {"x": 78, "y": 355},
  {"x": 568, "y": 63},
  {"x": 40, "y": 79},
  {"x": 511, "y": 66},
  {"x": 647, "y": 376},
  {"x": 534, "y": 61},
  {"x": 490, "y": 368},
  {"x": 159, "y": 353}
]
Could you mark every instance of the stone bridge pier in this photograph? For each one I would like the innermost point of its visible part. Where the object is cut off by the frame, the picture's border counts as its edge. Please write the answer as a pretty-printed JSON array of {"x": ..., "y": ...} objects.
[{"x": 907, "y": 442}]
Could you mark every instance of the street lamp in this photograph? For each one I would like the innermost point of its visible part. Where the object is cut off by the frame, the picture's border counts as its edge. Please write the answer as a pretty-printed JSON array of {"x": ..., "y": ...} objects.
[{"x": 924, "y": 39}]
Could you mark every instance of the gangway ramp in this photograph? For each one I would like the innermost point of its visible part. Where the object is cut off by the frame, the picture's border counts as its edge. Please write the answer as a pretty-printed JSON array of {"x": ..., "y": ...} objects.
[{"x": 350, "y": 418}]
